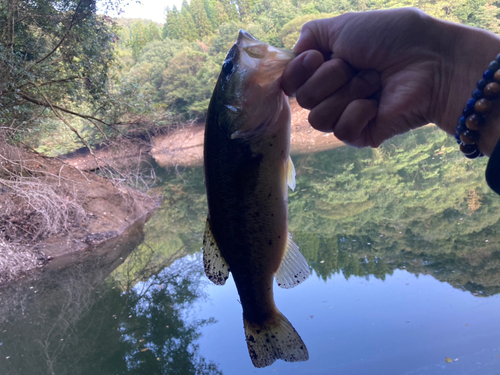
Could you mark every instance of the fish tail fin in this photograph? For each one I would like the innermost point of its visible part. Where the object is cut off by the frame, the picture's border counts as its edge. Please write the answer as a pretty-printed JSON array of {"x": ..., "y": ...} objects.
[{"x": 276, "y": 339}]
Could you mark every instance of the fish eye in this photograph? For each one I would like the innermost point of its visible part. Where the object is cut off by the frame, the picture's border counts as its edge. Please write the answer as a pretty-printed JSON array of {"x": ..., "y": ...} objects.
[{"x": 227, "y": 68}]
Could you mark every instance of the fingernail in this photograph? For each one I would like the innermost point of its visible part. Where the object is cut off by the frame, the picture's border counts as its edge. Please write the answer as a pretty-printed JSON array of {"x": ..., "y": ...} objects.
[{"x": 372, "y": 77}]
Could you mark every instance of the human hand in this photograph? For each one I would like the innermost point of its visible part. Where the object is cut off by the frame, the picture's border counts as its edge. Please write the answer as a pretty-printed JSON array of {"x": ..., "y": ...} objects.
[{"x": 391, "y": 71}]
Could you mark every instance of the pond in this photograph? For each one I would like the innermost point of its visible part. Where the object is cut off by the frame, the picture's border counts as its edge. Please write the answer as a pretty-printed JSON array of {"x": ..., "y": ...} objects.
[{"x": 403, "y": 246}]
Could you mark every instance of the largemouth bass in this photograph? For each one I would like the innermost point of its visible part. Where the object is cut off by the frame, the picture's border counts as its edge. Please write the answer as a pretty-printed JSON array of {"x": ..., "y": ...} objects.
[{"x": 247, "y": 169}]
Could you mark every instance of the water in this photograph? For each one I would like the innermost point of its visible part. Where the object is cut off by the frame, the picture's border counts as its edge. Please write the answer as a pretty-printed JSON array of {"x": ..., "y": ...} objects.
[{"x": 403, "y": 246}]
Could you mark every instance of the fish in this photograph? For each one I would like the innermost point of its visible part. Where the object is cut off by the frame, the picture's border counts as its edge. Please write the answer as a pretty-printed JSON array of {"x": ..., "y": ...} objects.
[{"x": 247, "y": 168}]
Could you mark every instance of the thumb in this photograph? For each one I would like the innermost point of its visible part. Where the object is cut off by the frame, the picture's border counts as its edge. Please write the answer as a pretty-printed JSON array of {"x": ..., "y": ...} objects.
[{"x": 318, "y": 35}]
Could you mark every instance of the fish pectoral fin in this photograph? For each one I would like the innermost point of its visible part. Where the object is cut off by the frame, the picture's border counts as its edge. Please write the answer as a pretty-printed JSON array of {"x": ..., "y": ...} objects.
[
  {"x": 293, "y": 268},
  {"x": 276, "y": 339},
  {"x": 290, "y": 173},
  {"x": 216, "y": 267}
]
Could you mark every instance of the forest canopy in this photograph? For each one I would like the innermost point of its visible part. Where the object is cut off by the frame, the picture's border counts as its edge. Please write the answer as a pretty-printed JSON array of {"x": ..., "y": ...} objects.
[
  {"x": 173, "y": 67},
  {"x": 71, "y": 77}
]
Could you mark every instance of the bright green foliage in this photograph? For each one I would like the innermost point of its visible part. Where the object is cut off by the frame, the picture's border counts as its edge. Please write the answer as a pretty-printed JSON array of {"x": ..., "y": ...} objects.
[
  {"x": 53, "y": 55},
  {"x": 171, "y": 28},
  {"x": 246, "y": 8},
  {"x": 273, "y": 15},
  {"x": 140, "y": 35},
  {"x": 212, "y": 7},
  {"x": 139, "y": 90},
  {"x": 145, "y": 83},
  {"x": 230, "y": 9},
  {"x": 214, "y": 25},
  {"x": 185, "y": 87},
  {"x": 226, "y": 38},
  {"x": 187, "y": 26},
  {"x": 199, "y": 13}
]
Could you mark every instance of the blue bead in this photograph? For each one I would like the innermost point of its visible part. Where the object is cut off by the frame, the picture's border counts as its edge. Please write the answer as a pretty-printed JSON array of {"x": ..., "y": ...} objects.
[
  {"x": 488, "y": 75},
  {"x": 477, "y": 94},
  {"x": 461, "y": 120},
  {"x": 481, "y": 84},
  {"x": 471, "y": 103},
  {"x": 460, "y": 129},
  {"x": 467, "y": 112},
  {"x": 498, "y": 58},
  {"x": 494, "y": 66}
]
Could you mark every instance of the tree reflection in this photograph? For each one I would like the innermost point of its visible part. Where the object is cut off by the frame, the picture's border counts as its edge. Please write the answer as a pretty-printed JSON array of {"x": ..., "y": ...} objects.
[
  {"x": 75, "y": 324},
  {"x": 415, "y": 203}
]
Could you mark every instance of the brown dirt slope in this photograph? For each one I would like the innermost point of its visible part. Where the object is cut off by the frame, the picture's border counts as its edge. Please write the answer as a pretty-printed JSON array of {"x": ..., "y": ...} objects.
[{"x": 49, "y": 209}]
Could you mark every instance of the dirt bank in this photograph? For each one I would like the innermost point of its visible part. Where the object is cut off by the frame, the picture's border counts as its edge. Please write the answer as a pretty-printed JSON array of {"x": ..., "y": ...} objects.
[
  {"x": 185, "y": 146},
  {"x": 53, "y": 209}
]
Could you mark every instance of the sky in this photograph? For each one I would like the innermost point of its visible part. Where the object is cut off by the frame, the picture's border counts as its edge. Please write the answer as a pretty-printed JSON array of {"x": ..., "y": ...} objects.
[{"x": 148, "y": 9}]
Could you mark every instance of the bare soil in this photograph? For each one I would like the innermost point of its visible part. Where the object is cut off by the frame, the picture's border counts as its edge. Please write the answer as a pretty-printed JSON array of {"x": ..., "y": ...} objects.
[
  {"x": 184, "y": 147},
  {"x": 53, "y": 209}
]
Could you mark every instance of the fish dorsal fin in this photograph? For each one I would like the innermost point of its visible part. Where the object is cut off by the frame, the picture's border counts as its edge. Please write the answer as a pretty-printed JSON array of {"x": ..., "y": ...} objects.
[
  {"x": 216, "y": 267},
  {"x": 290, "y": 173},
  {"x": 294, "y": 268}
]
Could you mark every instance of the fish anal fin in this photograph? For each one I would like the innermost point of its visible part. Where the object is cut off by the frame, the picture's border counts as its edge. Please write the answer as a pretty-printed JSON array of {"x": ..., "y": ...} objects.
[
  {"x": 293, "y": 268},
  {"x": 216, "y": 267},
  {"x": 277, "y": 339}
]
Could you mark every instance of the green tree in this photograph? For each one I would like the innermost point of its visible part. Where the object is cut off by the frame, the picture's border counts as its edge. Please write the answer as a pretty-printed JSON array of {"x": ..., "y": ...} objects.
[
  {"x": 171, "y": 29},
  {"x": 215, "y": 13},
  {"x": 273, "y": 15},
  {"x": 198, "y": 11},
  {"x": 231, "y": 9},
  {"x": 188, "y": 83},
  {"x": 187, "y": 26},
  {"x": 55, "y": 61}
]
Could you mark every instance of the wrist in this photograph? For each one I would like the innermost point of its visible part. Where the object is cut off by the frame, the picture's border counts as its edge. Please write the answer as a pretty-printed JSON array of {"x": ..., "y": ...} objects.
[{"x": 471, "y": 52}]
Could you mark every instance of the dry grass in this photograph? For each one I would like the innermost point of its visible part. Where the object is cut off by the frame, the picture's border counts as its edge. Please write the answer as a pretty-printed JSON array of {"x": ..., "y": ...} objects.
[
  {"x": 34, "y": 204},
  {"x": 41, "y": 197},
  {"x": 33, "y": 208},
  {"x": 16, "y": 261}
]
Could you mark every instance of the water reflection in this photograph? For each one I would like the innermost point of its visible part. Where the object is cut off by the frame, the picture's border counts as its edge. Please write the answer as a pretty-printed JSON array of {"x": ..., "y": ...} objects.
[
  {"x": 413, "y": 206},
  {"x": 84, "y": 320}
]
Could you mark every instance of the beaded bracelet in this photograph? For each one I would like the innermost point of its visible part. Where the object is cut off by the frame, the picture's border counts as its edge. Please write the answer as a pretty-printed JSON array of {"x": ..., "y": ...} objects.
[{"x": 472, "y": 119}]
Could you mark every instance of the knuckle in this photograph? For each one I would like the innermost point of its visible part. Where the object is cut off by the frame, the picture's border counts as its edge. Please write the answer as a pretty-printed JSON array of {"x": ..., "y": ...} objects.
[
  {"x": 364, "y": 85},
  {"x": 338, "y": 68},
  {"x": 307, "y": 27}
]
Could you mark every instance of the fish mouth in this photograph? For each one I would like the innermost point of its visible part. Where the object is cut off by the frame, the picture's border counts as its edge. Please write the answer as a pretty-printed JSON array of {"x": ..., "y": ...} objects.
[{"x": 245, "y": 37}]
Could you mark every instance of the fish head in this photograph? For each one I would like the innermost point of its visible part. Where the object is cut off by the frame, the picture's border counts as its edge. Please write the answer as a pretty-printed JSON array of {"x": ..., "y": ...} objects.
[{"x": 249, "y": 87}]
